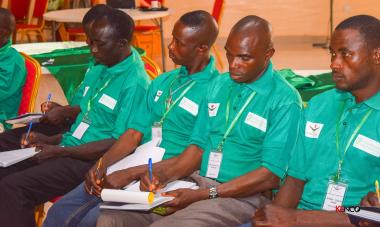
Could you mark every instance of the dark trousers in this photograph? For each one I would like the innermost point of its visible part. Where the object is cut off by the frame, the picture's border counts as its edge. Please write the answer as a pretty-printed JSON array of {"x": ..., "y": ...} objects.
[
  {"x": 32, "y": 184},
  {"x": 10, "y": 139}
]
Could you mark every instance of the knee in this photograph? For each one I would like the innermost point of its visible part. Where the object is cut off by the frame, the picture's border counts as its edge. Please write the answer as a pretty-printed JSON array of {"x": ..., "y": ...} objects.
[{"x": 106, "y": 219}]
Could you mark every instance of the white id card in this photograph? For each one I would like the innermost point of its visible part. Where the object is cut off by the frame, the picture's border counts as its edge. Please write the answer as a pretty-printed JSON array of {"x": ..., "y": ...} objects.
[
  {"x": 214, "y": 162},
  {"x": 157, "y": 131},
  {"x": 334, "y": 195},
  {"x": 80, "y": 130}
]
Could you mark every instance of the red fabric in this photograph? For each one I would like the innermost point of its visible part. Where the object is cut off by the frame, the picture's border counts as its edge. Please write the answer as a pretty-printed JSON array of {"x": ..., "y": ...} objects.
[
  {"x": 24, "y": 26},
  {"x": 28, "y": 87},
  {"x": 75, "y": 30},
  {"x": 144, "y": 28},
  {"x": 40, "y": 8},
  {"x": 217, "y": 9},
  {"x": 19, "y": 8}
]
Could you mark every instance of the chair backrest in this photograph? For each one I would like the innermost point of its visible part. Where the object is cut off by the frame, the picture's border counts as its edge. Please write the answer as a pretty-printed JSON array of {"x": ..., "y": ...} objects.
[
  {"x": 40, "y": 8},
  {"x": 217, "y": 10},
  {"x": 19, "y": 8},
  {"x": 151, "y": 67},
  {"x": 29, "y": 92}
]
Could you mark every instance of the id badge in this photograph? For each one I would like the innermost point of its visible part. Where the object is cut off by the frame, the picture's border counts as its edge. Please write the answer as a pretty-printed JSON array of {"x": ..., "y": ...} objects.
[
  {"x": 157, "y": 130},
  {"x": 214, "y": 162},
  {"x": 80, "y": 130},
  {"x": 334, "y": 195}
]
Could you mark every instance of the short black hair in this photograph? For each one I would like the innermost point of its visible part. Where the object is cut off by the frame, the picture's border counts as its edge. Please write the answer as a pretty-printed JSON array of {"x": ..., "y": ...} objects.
[
  {"x": 122, "y": 24},
  {"x": 194, "y": 18},
  {"x": 7, "y": 20},
  {"x": 368, "y": 26},
  {"x": 94, "y": 13}
]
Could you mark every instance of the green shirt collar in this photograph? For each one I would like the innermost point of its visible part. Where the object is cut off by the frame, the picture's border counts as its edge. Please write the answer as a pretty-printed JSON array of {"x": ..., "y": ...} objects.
[
  {"x": 264, "y": 83},
  {"x": 125, "y": 64},
  {"x": 5, "y": 48},
  {"x": 373, "y": 102},
  {"x": 203, "y": 75}
]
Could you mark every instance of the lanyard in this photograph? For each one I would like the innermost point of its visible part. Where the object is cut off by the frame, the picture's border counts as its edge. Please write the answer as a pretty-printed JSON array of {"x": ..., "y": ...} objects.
[
  {"x": 337, "y": 138},
  {"x": 171, "y": 105},
  {"x": 233, "y": 123},
  {"x": 91, "y": 101}
]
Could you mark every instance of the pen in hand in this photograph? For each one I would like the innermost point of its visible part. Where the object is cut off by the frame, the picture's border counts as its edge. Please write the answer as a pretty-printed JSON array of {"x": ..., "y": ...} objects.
[
  {"x": 25, "y": 142},
  {"x": 150, "y": 169},
  {"x": 47, "y": 102},
  {"x": 98, "y": 177},
  {"x": 377, "y": 190}
]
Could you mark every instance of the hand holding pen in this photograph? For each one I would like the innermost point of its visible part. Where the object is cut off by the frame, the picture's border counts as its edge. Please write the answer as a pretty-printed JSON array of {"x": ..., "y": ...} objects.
[
  {"x": 150, "y": 169},
  {"x": 25, "y": 140}
]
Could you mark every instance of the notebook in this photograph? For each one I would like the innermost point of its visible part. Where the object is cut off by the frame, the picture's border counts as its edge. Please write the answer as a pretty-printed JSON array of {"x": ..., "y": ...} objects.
[
  {"x": 25, "y": 118},
  {"x": 8, "y": 158},
  {"x": 132, "y": 198},
  {"x": 368, "y": 214}
]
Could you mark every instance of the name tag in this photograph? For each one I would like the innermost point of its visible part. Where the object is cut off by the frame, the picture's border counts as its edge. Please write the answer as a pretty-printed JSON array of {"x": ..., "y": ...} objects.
[
  {"x": 334, "y": 196},
  {"x": 108, "y": 101},
  {"x": 213, "y": 109},
  {"x": 157, "y": 131},
  {"x": 85, "y": 90},
  {"x": 312, "y": 129},
  {"x": 214, "y": 162},
  {"x": 80, "y": 130},
  {"x": 367, "y": 145},
  {"x": 256, "y": 121},
  {"x": 158, "y": 95},
  {"x": 189, "y": 105}
]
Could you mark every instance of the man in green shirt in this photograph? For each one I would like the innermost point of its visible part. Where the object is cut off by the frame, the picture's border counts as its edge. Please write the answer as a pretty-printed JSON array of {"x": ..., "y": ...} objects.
[
  {"x": 336, "y": 160},
  {"x": 12, "y": 70},
  {"x": 170, "y": 106},
  {"x": 112, "y": 88},
  {"x": 247, "y": 128}
]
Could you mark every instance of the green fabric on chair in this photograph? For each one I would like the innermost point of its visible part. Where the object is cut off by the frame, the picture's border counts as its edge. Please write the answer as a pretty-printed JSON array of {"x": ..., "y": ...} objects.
[{"x": 69, "y": 66}]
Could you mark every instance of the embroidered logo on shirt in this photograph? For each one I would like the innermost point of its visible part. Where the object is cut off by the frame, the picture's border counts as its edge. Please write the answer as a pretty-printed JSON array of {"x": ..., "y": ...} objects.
[
  {"x": 313, "y": 130},
  {"x": 189, "y": 105},
  {"x": 85, "y": 90},
  {"x": 108, "y": 101},
  {"x": 367, "y": 145},
  {"x": 213, "y": 109},
  {"x": 256, "y": 121},
  {"x": 158, "y": 95}
]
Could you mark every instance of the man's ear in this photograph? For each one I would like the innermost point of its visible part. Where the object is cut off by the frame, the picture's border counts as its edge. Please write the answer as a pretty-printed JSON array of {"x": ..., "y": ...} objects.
[
  {"x": 123, "y": 42},
  {"x": 203, "y": 48},
  {"x": 376, "y": 56},
  {"x": 269, "y": 54}
]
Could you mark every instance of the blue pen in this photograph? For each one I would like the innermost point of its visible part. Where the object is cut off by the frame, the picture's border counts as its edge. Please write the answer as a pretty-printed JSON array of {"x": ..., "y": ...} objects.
[
  {"x": 47, "y": 102},
  {"x": 28, "y": 132},
  {"x": 150, "y": 170}
]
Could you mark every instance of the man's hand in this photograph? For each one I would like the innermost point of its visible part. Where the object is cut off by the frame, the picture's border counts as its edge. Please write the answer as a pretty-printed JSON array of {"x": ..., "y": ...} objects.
[
  {"x": 33, "y": 139},
  {"x": 48, "y": 106},
  {"x": 118, "y": 179},
  {"x": 271, "y": 215},
  {"x": 94, "y": 180},
  {"x": 370, "y": 200},
  {"x": 159, "y": 181},
  {"x": 183, "y": 198},
  {"x": 56, "y": 116},
  {"x": 47, "y": 151}
]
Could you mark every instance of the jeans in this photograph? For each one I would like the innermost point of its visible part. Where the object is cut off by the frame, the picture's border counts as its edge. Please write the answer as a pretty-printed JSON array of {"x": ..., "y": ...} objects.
[{"x": 76, "y": 208}]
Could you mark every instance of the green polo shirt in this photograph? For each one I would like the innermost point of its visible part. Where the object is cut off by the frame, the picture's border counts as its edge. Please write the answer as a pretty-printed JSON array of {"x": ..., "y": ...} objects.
[
  {"x": 12, "y": 80},
  {"x": 113, "y": 93},
  {"x": 315, "y": 158},
  {"x": 264, "y": 134},
  {"x": 178, "y": 125}
]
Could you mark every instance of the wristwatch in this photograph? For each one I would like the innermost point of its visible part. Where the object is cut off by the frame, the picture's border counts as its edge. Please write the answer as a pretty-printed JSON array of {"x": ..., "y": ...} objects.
[{"x": 213, "y": 193}]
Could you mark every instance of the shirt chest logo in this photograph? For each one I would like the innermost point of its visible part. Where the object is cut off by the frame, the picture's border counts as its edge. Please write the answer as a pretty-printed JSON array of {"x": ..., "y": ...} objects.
[
  {"x": 256, "y": 121},
  {"x": 108, "y": 101},
  {"x": 313, "y": 130},
  {"x": 367, "y": 145},
  {"x": 158, "y": 95},
  {"x": 213, "y": 109},
  {"x": 85, "y": 90},
  {"x": 189, "y": 106}
]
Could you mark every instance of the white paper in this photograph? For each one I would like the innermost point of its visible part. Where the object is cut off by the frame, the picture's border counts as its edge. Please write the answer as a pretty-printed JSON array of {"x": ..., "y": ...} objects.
[
  {"x": 140, "y": 156},
  {"x": 189, "y": 105},
  {"x": 108, "y": 101},
  {"x": 312, "y": 130},
  {"x": 25, "y": 118},
  {"x": 367, "y": 145},
  {"x": 80, "y": 130},
  {"x": 8, "y": 158},
  {"x": 256, "y": 121}
]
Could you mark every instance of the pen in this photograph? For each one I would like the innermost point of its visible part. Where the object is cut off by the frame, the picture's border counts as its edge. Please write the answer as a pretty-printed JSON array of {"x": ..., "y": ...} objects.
[
  {"x": 48, "y": 100},
  {"x": 97, "y": 171},
  {"x": 27, "y": 133},
  {"x": 151, "y": 194},
  {"x": 377, "y": 190}
]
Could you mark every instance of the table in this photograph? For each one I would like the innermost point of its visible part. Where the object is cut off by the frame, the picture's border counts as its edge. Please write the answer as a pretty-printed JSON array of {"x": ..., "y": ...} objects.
[{"x": 76, "y": 16}]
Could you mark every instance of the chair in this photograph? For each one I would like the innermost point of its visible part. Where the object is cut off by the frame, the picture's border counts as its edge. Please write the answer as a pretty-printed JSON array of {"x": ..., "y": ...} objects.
[
  {"x": 151, "y": 67},
  {"x": 36, "y": 11},
  {"x": 30, "y": 90},
  {"x": 217, "y": 14}
]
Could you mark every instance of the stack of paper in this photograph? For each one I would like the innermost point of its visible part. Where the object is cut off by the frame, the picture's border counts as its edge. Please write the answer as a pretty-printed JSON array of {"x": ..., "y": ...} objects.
[
  {"x": 8, "y": 158},
  {"x": 25, "y": 118},
  {"x": 138, "y": 200}
]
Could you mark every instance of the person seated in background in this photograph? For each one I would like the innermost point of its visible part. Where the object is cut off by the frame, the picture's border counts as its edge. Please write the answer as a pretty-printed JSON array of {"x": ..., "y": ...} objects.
[
  {"x": 336, "y": 160},
  {"x": 248, "y": 125},
  {"x": 57, "y": 118},
  {"x": 171, "y": 105},
  {"x": 113, "y": 88},
  {"x": 12, "y": 70}
]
